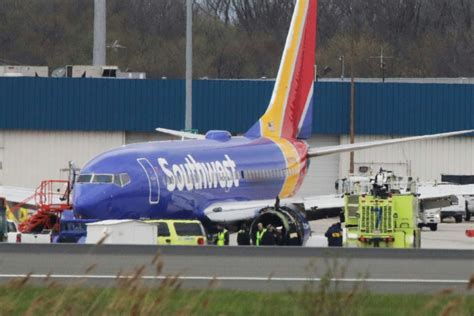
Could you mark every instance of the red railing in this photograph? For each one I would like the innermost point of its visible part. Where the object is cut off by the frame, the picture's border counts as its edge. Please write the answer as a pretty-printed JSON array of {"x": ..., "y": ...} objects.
[{"x": 51, "y": 198}]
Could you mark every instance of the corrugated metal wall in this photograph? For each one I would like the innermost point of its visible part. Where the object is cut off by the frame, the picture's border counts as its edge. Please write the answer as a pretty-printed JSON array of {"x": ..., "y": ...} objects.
[
  {"x": 84, "y": 104},
  {"x": 426, "y": 160},
  {"x": 32, "y": 156},
  {"x": 141, "y": 105}
]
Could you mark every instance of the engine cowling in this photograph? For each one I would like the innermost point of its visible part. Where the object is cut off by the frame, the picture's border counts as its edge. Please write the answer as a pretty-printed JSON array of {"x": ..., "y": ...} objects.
[{"x": 292, "y": 220}]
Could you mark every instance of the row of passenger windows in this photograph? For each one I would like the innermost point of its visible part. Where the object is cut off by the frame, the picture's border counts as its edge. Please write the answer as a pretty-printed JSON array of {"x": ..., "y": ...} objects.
[
  {"x": 268, "y": 173},
  {"x": 121, "y": 179}
]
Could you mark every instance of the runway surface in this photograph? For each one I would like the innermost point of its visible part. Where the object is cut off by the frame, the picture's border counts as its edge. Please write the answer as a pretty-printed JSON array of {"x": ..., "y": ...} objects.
[{"x": 243, "y": 268}]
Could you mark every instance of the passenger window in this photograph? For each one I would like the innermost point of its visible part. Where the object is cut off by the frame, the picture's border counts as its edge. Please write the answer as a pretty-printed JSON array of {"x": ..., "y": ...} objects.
[
  {"x": 163, "y": 230},
  {"x": 188, "y": 229},
  {"x": 84, "y": 178}
]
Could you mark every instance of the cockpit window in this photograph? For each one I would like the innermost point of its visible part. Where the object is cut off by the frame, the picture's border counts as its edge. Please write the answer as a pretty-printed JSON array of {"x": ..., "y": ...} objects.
[
  {"x": 103, "y": 178},
  {"x": 124, "y": 178},
  {"x": 121, "y": 179},
  {"x": 117, "y": 180},
  {"x": 84, "y": 178}
]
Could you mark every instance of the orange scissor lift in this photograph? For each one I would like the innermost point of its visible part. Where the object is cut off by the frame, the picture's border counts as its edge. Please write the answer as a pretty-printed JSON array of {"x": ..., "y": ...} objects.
[{"x": 51, "y": 198}]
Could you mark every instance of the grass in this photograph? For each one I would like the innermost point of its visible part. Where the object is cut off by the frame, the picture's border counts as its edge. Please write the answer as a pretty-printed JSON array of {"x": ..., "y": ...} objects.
[{"x": 129, "y": 298}]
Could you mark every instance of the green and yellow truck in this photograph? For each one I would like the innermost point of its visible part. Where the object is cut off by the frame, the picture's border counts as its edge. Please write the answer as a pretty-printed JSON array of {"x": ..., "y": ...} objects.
[{"x": 386, "y": 222}]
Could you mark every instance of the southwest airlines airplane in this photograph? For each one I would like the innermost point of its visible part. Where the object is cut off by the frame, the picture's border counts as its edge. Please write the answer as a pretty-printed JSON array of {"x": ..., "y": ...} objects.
[{"x": 218, "y": 178}]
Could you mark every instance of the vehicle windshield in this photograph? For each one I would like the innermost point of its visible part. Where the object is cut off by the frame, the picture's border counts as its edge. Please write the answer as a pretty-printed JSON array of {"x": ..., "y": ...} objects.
[
  {"x": 11, "y": 227},
  {"x": 163, "y": 230},
  {"x": 188, "y": 229},
  {"x": 73, "y": 226}
]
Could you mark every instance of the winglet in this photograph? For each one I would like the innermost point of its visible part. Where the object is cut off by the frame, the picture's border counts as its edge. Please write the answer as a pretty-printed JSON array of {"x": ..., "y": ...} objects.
[{"x": 180, "y": 133}]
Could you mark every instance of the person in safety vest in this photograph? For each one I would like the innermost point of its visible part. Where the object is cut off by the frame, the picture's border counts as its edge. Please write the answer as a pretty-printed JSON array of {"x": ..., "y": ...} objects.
[
  {"x": 243, "y": 236},
  {"x": 334, "y": 235},
  {"x": 259, "y": 235},
  {"x": 222, "y": 236}
]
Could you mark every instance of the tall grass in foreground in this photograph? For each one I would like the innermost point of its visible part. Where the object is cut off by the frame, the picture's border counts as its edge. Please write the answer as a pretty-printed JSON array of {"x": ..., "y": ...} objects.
[{"x": 131, "y": 296}]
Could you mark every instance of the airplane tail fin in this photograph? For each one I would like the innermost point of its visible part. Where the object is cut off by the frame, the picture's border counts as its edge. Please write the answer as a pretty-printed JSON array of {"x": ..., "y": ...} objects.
[{"x": 289, "y": 114}]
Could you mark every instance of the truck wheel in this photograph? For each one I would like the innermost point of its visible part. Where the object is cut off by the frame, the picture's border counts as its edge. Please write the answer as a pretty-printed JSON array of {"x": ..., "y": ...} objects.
[
  {"x": 434, "y": 227},
  {"x": 468, "y": 214},
  {"x": 458, "y": 219}
]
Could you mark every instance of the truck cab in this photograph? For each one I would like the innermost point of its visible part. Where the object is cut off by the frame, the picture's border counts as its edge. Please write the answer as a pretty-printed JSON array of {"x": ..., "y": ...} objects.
[{"x": 72, "y": 231}]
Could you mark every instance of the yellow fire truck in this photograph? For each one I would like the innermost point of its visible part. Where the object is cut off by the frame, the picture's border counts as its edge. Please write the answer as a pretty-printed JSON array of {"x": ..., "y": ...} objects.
[{"x": 377, "y": 214}]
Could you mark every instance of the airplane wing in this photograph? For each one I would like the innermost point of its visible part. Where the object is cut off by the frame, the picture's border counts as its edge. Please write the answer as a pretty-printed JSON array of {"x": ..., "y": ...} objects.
[
  {"x": 431, "y": 196},
  {"x": 234, "y": 211},
  {"x": 180, "y": 133},
  {"x": 315, "y": 152},
  {"x": 443, "y": 190},
  {"x": 17, "y": 194}
]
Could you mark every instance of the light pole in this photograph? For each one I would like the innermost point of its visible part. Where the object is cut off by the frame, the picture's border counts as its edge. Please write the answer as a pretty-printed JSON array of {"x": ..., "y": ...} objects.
[
  {"x": 188, "y": 122},
  {"x": 382, "y": 64},
  {"x": 341, "y": 59},
  {"x": 100, "y": 27}
]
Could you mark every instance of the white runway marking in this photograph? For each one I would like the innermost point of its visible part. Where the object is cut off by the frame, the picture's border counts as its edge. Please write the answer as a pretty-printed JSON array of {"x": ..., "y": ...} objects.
[{"x": 209, "y": 278}]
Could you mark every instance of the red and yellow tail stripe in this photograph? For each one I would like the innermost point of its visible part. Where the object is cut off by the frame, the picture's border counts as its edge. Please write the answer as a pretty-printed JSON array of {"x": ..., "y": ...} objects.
[
  {"x": 294, "y": 84},
  {"x": 295, "y": 158}
]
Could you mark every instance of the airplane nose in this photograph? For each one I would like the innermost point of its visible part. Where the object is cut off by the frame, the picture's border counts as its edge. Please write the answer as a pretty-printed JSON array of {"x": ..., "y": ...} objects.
[
  {"x": 86, "y": 202},
  {"x": 82, "y": 207}
]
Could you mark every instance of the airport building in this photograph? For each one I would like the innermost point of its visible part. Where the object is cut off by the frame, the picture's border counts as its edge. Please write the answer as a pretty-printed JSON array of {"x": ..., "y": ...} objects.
[{"x": 47, "y": 122}]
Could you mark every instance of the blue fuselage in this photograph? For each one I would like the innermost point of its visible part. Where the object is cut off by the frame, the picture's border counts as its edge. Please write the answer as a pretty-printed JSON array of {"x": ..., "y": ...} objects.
[{"x": 179, "y": 179}]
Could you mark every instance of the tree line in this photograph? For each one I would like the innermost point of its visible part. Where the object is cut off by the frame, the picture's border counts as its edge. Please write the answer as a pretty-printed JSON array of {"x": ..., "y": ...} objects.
[{"x": 245, "y": 38}]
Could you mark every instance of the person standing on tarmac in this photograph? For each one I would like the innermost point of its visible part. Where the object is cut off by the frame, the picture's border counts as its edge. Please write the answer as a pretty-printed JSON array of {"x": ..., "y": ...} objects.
[
  {"x": 222, "y": 236},
  {"x": 334, "y": 235},
  {"x": 278, "y": 234},
  {"x": 243, "y": 236},
  {"x": 259, "y": 234},
  {"x": 268, "y": 238}
]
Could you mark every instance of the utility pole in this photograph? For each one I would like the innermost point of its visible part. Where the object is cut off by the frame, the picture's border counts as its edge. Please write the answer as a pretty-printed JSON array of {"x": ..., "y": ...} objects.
[
  {"x": 188, "y": 122},
  {"x": 352, "y": 106},
  {"x": 382, "y": 58},
  {"x": 100, "y": 29}
]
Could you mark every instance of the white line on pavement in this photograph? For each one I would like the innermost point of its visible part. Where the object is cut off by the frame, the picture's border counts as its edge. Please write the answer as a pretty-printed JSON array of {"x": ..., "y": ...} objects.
[{"x": 209, "y": 278}]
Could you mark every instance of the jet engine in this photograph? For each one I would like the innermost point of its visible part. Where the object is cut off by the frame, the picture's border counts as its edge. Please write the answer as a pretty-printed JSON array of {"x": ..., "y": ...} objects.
[{"x": 291, "y": 219}]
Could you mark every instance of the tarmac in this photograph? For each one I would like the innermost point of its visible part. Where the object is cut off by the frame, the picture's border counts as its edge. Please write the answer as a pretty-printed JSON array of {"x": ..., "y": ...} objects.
[
  {"x": 242, "y": 268},
  {"x": 450, "y": 235}
]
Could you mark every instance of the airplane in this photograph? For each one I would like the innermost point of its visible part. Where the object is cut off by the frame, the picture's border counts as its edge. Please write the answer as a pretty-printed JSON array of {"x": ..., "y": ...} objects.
[{"x": 220, "y": 178}]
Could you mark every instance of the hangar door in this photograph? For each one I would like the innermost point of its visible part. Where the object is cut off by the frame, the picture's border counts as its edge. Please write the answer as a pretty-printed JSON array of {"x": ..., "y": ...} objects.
[{"x": 323, "y": 171}]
